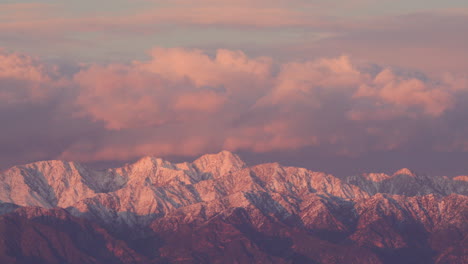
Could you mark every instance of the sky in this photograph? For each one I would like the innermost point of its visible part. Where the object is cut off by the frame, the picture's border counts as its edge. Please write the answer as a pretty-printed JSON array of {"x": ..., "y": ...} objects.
[{"x": 339, "y": 86}]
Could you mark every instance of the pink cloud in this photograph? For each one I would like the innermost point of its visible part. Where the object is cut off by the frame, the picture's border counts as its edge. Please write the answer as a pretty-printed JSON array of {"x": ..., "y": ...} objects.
[
  {"x": 185, "y": 102},
  {"x": 407, "y": 92},
  {"x": 122, "y": 96},
  {"x": 203, "y": 70},
  {"x": 17, "y": 66},
  {"x": 191, "y": 92},
  {"x": 301, "y": 81},
  {"x": 174, "y": 84},
  {"x": 25, "y": 79},
  {"x": 206, "y": 101}
]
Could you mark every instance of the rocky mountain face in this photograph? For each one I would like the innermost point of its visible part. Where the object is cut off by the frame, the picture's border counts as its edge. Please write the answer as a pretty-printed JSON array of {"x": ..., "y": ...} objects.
[
  {"x": 406, "y": 182},
  {"x": 218, "y": 210}
]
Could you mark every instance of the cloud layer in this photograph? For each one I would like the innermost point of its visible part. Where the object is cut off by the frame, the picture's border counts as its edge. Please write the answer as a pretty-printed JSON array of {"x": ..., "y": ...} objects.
[{"x": 184, "y": 102}]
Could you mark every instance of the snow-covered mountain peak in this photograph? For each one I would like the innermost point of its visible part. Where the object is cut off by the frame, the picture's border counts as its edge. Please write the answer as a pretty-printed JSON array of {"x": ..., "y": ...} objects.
[
  {"x": 219, "y": 164},
  {"x": 380, "y": 176},
  {"x": 218, "y": 197},
  {"x": 47, "y": 165},
  {"x": 405, "y": 171},
  {"x": 461, "y": 178},
  {"x": 376, "y": 177},
  {"x": 151, "y": 163},
  {"x": 46, "y": 184}
]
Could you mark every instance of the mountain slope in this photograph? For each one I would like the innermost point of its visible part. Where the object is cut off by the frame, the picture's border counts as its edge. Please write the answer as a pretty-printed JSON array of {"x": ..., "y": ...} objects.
[
  {"x": 406, "y": 182},
  {"x": 37, "y": 235},
  {"x": 218, "y": 210}
]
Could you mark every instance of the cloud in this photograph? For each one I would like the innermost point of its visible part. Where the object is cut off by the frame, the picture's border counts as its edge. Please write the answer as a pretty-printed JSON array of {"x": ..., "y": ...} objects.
[
  {"x": 205, "y": 101},
  {"x": 25, "y": 79},
  {"x": 305, "y": 81},
  {"x": 122, "y": 96},
  {"x": 174, "y": 85},
  {"x": 386, "y": 87},
  {"x": 184, "y": 102},
  {"x": 16, "y": 66},
  {"x": 177, "y": 63},
  {"x": 35, "y": 110}
]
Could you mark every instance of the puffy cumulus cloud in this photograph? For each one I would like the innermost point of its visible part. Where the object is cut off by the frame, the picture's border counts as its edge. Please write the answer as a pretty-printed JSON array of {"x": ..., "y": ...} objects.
[
  {"x": 205, "y": 101},
  {"x": 309, "y": 81},
  {"x": 403, "y": 94},
  {"x": 184, "y": 102},
  {"x": 122, "y": 97},
  {"x": 24, "y": 79},
  {"x": 230, "y": 69},
  {"x": 175, "y": 85},
  {"x": 35, "y": 100},
  {"x": 18, "y": 66}
]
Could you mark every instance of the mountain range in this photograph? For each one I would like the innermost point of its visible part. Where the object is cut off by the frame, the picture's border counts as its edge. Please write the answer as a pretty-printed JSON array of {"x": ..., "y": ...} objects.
[{"x": 217, "y": 209}]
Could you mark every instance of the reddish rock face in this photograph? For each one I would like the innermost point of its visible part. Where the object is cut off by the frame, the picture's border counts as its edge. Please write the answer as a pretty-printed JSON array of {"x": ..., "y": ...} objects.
[{"x": 217, "y": 210}]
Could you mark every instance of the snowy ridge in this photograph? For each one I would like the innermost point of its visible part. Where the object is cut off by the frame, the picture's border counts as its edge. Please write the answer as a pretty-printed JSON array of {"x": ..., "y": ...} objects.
[
  {"x": 153, "y": 186},
  {"x": 218, "y": 195},
  {"x": 406, "y": 182}
]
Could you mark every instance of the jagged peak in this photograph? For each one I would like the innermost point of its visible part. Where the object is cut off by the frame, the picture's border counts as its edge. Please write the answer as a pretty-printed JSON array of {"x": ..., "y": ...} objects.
[
  {"x": 461, "y": 178},
  {"x": 144, "y": 160},
  {"x": 223, "y": 154},
  {"x": 376, "y": 177},
  {"x": 59, "y": 168},
  {"x": 405, "y": 171},
  {"x": 48, "y": 163},
  {"x": 149, "y": 162},
  {"x": 219, "y": 163},
  {"x": 380, "y": 176}
]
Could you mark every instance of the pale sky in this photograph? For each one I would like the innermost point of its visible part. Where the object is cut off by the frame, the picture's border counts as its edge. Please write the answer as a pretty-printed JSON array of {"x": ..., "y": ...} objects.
[{"x": 125, "y": 29}]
